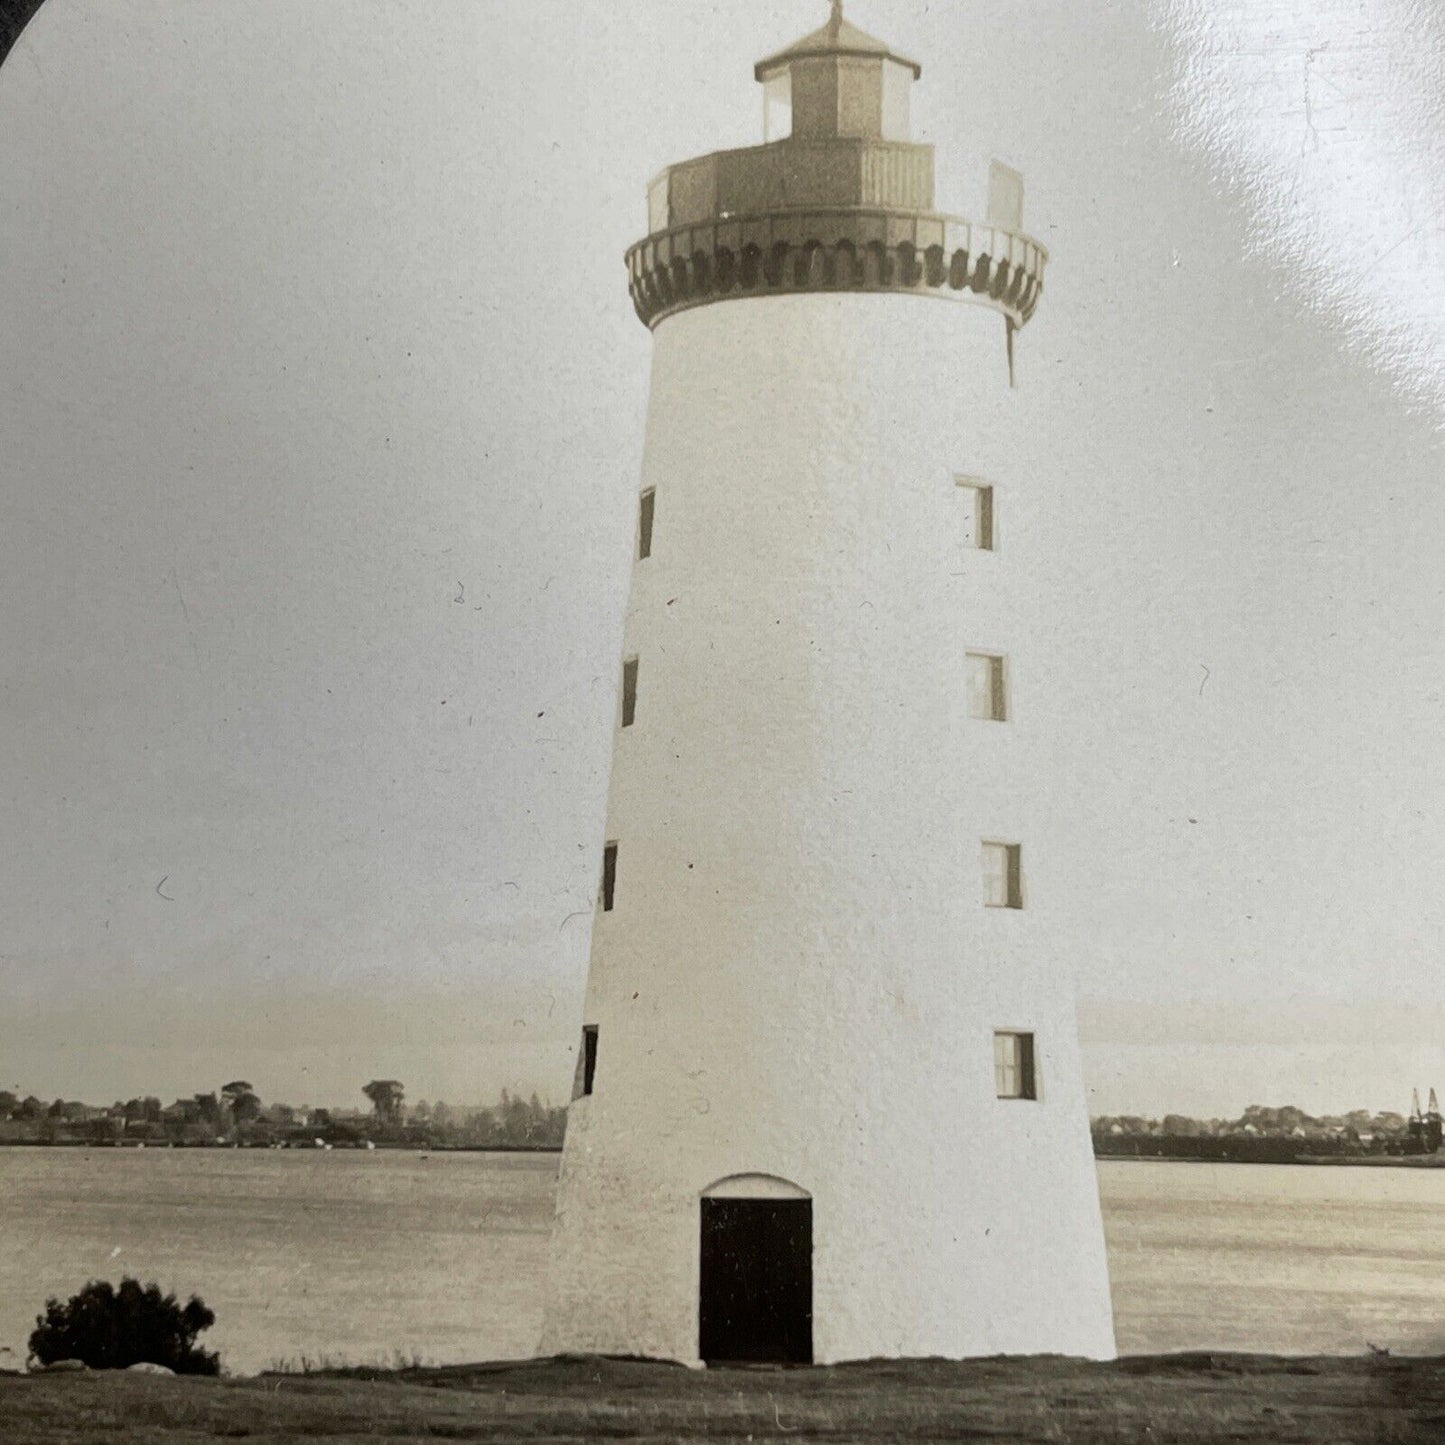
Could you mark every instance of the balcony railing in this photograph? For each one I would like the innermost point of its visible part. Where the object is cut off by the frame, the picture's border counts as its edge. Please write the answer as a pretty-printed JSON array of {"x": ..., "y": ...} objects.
[{"x": 845, "y": 248}]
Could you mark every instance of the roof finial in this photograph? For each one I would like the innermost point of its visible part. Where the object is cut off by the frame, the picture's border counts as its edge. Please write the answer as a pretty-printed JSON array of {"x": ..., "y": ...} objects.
[{"x": 836, "y": 18}]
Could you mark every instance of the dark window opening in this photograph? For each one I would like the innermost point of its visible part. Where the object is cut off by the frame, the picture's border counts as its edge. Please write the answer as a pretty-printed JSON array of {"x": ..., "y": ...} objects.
[
  {"x": 644, "y": 523},
  {"x": 629, "y": 692},
  {"x": 609, "y": 876},
  {"x": 589, "y": 1056}
]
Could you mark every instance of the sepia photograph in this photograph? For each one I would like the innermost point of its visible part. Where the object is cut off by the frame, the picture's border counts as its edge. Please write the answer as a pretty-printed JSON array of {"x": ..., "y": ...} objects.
[{"x": 722, "y": 721}]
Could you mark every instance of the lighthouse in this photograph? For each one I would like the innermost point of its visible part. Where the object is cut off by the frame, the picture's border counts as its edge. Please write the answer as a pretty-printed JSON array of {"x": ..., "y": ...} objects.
[{"x": 829, "y": 1102}]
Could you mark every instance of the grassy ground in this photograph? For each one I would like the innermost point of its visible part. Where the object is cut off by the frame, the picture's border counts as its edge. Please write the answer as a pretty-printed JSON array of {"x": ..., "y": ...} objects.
[{"x": 1181, "y": 1398}]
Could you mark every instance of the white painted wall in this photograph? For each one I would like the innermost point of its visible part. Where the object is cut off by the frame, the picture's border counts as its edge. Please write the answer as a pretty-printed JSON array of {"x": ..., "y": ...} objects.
[{"x": 799, "y": 978}]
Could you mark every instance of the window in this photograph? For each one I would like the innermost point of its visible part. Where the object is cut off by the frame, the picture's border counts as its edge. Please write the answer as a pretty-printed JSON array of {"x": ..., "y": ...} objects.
[
  {"x": 1013, "y": 1066},
  {"x": 629, "y": 692},
  {"x": 978, "y": 525},
  {"x": 609, "y": 876},
  {"x": 646, "y": 506},
  {"x": 1002, "y": 876},
  {"x": 986, "y": 695},
  {"x": 586, "y": 1063},
  {"x": 589, "y": 1056}
]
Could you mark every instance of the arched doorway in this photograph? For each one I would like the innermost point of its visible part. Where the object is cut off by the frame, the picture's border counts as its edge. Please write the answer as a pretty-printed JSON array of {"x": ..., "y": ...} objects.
[{"x": 755, "y": 1284}]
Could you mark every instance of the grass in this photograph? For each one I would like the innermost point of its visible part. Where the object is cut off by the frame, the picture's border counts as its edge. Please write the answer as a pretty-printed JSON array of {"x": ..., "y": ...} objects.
[
  {"x": 303, "y": 1364},
  {"x": 1155, "y": 1399}
]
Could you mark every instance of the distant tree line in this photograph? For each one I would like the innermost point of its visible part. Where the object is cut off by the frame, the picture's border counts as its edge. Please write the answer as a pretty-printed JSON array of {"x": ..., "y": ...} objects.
[
  {"x": 234, "y": 1115},
  {"x": 1260, "y": 1133}
]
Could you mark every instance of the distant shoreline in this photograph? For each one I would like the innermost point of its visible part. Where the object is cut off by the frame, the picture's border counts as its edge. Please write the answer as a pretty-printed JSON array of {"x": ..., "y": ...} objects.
[
  {"x": 1339, "y": 1161},
  {"x": 377, "y": 1146}
]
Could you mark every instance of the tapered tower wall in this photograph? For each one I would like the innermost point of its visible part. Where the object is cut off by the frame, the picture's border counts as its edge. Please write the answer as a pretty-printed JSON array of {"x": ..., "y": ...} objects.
[{"x": 799, "y": 977}]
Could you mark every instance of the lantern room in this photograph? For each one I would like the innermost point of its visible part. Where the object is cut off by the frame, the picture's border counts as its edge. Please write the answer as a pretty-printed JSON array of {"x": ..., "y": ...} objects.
[{"x": 836, "y": 82}]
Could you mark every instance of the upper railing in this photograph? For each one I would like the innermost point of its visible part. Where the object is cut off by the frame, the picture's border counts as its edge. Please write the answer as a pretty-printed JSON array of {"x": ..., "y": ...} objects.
[{"x": 835, "y": 248}]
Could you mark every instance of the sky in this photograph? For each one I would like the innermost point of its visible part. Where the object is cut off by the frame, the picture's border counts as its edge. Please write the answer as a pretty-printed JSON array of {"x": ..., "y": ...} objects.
[{"x": 323, "y": 404}]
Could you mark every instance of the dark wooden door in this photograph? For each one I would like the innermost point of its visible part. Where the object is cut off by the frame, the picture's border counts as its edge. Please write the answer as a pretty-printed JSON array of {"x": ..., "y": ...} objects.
[{"x": 756, "y": 1296}]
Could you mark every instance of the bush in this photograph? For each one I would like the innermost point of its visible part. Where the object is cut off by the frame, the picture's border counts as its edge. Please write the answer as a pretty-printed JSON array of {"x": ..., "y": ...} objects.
[{"x": 112, "y": 1329}]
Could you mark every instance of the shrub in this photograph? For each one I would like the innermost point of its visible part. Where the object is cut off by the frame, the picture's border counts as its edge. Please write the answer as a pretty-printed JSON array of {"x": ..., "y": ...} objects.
[{"x": 112, "y": 1329}]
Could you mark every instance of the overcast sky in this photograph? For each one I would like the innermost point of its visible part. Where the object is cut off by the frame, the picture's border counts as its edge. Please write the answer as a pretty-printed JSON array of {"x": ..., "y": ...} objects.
[{"x": 322, "y": 403}]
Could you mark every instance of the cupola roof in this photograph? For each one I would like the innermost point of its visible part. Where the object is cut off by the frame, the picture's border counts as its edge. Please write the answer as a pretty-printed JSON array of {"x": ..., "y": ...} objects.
[{"x": 837, "y": 37}]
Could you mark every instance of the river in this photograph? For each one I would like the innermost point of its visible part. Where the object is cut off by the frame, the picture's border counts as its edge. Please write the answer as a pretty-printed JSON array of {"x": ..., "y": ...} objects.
[{"x": 361, "y": 1257}]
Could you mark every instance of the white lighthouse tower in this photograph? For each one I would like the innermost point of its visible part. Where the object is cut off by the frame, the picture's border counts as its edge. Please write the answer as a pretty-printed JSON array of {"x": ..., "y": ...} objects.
[{"x": 829, "y": 1102}]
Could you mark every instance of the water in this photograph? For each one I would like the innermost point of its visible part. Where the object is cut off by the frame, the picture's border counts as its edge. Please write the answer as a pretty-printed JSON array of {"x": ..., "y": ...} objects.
[
  {"x": 350, "y": 1256},
  {"x": 362, "y": 1257},
  {"x": 1279, "y": 1258}
]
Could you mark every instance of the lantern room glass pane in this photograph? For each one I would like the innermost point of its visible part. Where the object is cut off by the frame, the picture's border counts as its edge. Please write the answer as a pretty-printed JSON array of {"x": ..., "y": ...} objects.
[
  {"x": 897, "y": 85},
  {"x": 1005, "y": 197},
  {"x": 778, "y": 106},
  {"x": 658, "y": 212}
]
